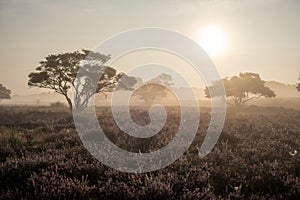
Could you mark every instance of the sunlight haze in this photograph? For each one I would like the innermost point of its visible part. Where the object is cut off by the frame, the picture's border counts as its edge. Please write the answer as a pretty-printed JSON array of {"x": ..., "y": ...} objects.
[{"x": 240, "y": 36}]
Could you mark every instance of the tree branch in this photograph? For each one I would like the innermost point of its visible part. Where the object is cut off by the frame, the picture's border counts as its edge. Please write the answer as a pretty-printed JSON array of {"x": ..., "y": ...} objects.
[{"x": 256, "y": 97}]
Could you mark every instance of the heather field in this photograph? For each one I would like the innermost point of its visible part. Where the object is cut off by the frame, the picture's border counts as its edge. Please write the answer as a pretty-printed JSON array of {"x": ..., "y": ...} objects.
[{"x": 256, "y": 157}]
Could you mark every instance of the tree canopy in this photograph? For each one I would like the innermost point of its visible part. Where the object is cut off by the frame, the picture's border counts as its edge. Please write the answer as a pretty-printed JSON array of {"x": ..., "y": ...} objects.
[
  {"x": 154, "y": 89},
  {"x": 58, "y": 72},
  {"x": 4, "y": 92},
  {"x": 243, "y": 88}
]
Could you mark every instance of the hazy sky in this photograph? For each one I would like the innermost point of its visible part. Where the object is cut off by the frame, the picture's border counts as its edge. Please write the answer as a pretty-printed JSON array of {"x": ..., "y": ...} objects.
[{"x": 262, "y": 36}]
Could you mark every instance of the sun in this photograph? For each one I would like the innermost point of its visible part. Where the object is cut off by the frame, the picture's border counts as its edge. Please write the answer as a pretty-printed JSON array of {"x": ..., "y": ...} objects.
[{"x": 213, "y": 40}]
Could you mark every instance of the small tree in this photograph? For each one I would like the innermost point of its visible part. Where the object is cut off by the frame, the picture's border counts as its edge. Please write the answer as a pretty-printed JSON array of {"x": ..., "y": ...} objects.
[
  {"x": 243, "y": 88},
  {"x": 4, "y": 92},
  {"x": 58, "y": 72},
  {"x": 298, "y": 87},
  {"x": 154, "y": 89}
]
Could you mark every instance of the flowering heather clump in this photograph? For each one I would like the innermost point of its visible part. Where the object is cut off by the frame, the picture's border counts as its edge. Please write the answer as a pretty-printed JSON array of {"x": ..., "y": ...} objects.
[{"x": 256, "y": 157}]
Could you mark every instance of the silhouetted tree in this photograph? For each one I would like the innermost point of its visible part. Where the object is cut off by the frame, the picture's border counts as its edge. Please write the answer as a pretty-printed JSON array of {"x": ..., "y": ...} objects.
[
  {"x": 4, "y": 92},
  {"x": 243, "y": 88},
  {"x": 298, "y": 87},
  {"x": 58, "y": 72},
  {"x": 155, "y": 89}
]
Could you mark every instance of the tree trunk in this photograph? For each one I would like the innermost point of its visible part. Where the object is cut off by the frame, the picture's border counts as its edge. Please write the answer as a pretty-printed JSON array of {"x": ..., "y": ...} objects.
[{"x": 69, "y": 102}]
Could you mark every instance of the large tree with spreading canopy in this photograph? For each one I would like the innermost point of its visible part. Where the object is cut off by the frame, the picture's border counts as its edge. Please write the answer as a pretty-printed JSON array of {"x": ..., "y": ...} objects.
[
  {"x": 58, "y": 72},
  {"x": 243, "y": 88}
]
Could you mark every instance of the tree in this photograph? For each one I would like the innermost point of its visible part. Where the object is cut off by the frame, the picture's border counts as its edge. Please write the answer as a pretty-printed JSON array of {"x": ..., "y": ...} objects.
[
  {"x": 298, "y": 87},
  {"x": 4, "y": 92},
  {"x": 154, "y": 89},
  {"x": 243, "y": 88},
  {"x": 58, "y": 72}
]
